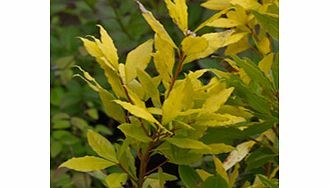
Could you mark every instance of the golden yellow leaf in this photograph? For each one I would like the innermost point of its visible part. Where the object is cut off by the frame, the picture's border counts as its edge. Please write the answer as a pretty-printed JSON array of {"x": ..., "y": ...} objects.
[
  {"x": 236, "y": 37},
  {"x": 224, "y": 23},
  {"x": 238, "y": 47},
  {"x": 87, "y": 164},
  {"x": 263, "y": 43},
  {"x": 211, "y": 19},
  {"x": 203, "y": 174},
  {"x": 156, "y": 26},
  {"x": 138, "y": 58},
  {"x": 265, "y": 64},
  {"x": 214, "y": 102},
  {"x": 216, "y": 4},
  {"x": 166, "y": 51},
  {"x": 108, "y": 48},
  {"x": 178, "y": 12},
  {"x": 220, "y": 169},
  {"x": 215, "y": 41},
  {"x": 91, "y": 47},
  {"x": 138, "y": 111},
  {"x": 177, "y": 100},
  {"x": 247, "y": 4},
  {"x": 191, "y": 45}
]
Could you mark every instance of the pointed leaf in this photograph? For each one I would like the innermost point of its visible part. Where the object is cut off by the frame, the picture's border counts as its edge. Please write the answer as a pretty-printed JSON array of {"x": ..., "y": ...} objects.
[
  {"x": 156, "y": 26},
  {"x": 237, "y": 155},
  {"x": 191, "y": 45},
  {"x": 188, "y": 143},
  {"x": 189, "y": 177},
  {"x": 138, "y": 58},
  {"x": 269, "y": 23},
  {"x": 178, "y": 12},
  {"x": 101, "y": 146},
  {"x": 116, "y": 180},
  {"x": 135, "y": 132},
  {"x": 214, "y": 182},
  {"x": 220, "y": 169},
  {"x": 108, "y": 48},
  {"x": 87, "y": 164}
]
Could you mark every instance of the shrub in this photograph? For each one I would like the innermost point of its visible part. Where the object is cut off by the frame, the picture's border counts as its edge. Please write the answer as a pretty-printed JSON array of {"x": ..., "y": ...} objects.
[{"x": 228, "y": 121}]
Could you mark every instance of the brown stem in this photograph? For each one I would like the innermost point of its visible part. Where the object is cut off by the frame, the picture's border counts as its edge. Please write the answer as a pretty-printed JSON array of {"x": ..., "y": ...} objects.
[
  {"x": 143, "y": 165},
  {"x": 178, "y": 70}
]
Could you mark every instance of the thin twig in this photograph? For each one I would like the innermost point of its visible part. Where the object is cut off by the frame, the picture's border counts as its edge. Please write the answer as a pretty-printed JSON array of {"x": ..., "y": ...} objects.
[{"x": 150, "y": 171}]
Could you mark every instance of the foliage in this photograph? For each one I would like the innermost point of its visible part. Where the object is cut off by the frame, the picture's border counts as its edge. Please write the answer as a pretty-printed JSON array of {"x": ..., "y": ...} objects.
[{"x": 219, "y": 124}]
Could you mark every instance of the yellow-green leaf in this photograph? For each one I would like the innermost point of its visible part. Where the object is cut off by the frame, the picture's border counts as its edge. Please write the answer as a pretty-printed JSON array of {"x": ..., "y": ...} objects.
[
  {"x": 265, "y": 64},
  {"x": 220, "y": 169},
  {"x": 91, "y": 48},
  {"x": 216, "y": 149},
  {"x": 156, "y": 26},
  {"x": 214, "y": 102},
  {"x": 116, "y": 180},
  {"x": 215, "y": 41},
  {"x": 108, "y": 48},
  {"x": 178, "y": 12},
  {"x": 150, "y": 88},
  {"x": 138, "y": 58},
  {"x": 177, "y": 101},
  {"x": 138, "y": 111},
  {"x": 87, "y": 164},
  {"x": 203, "y": 174},
  {"x": 187, "y": 143},
  {"x": 101, "y": 146},
  {"x": 216, "y": 120},
  {"x": 191, "y": 45},
  {"x": 234, "y": 175},
  {"x": 238, "y": 154},
  {"x": 216, "y": 4},
  {"x": 238, "y": 47},
  {"x": 135, "y": 132}
]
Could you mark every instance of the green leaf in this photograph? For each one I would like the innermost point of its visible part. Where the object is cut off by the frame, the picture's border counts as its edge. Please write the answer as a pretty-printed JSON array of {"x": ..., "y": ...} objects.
[
  {"x": 116, "y": 180},
  {"x": 254, "y": 72},
  {"x": 87, "y": 164},
  {"x": 216, "y": 149},
  {"x": 214, "y": 182},
  {"x": 101, "y": 146},
  {"x": 103, "y": 129},
  {"x": 267, "y": 182},
  {"x": 187, "y": 143},
  {"x": 93, "y": 113},
  {"x": 269, "y": 23},
  {"x": 79, "y": 123},
  {"x": 55, "y": 148},
  {"x": 275, "y": 71},
  {"x": 135, "y": 132},
  {"x": 61, "y": 124},
  {"x": 189, "y": 177}
]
